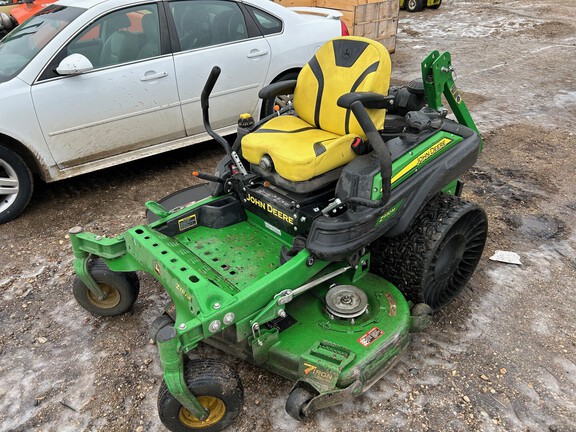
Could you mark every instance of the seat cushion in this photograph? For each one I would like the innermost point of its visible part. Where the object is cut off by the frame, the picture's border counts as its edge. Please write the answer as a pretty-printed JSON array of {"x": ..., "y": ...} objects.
[{"x": 298, "y": 150}]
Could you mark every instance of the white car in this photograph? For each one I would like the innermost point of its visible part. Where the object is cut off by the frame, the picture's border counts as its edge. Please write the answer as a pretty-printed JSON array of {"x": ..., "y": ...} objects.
[{"x": 87, "y": 84}]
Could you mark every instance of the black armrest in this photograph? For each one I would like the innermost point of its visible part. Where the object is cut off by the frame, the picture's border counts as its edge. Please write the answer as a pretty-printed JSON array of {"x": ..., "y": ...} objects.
[
  {"x": 277, "y": 89},
  {"x": 368, "y": 99},
  {"x": 378, "y": 145}
]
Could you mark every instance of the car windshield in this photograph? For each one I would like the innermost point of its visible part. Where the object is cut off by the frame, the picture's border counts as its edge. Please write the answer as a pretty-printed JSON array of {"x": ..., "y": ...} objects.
[{"x": 25, "y": 41}]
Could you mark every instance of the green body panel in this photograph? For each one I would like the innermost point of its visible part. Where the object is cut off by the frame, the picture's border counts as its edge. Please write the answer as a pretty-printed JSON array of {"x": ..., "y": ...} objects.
[
  {"x": 210, "y": 273},
  {"x": 413, "y": 161},
  {"x": 451, "y": 188},
  {"x": 391, "y": 212},
  {"x": 333, "y": 353}
]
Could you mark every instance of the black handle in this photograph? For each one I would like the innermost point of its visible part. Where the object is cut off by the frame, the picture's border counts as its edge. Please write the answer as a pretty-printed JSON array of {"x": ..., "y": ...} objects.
[
  {"x": 209, "y": 86},
  {"x": 378, "y": 145}
]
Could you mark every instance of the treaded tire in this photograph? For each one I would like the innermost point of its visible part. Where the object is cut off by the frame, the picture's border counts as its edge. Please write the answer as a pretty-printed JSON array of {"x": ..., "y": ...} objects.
[
  {"x": 208, "y": 380},
  {"x": 122, "y": 288},
  {"x": 14, "y": 169},
  {"x": 432, "y": 262},
  {"x": 415, "y": 5}
]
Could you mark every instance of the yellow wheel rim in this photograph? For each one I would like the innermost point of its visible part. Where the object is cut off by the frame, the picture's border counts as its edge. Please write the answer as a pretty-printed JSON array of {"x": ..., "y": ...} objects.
[
  {"x": 112, "y": 299},
  {"x": 213, "y": 404}
]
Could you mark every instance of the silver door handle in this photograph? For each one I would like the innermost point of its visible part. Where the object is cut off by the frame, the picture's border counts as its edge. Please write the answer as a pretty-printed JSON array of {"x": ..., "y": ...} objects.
[
  {"x": 254, "y": 54},
  {"x": 154, "y": 76}
]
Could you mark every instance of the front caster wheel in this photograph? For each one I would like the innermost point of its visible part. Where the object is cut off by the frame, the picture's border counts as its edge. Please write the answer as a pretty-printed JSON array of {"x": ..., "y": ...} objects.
[
  {"x": 217, "y": 387},
  {"x": 121, "y": 290}
]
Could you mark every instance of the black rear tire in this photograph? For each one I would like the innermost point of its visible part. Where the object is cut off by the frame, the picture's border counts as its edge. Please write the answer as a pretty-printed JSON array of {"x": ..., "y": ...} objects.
[
  {"x": 436, "y": 6},
  {"x": 218, "y": 388},
  {"x": 122, "y": 289},
  {"x": 433, "y": 261},
  {"x": 415, "y": 5},
  {"x": 16, "y": 185}
]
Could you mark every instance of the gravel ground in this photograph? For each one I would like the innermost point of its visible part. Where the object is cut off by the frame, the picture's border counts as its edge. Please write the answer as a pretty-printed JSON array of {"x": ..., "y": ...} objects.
[{"x": 499, "y": 358}]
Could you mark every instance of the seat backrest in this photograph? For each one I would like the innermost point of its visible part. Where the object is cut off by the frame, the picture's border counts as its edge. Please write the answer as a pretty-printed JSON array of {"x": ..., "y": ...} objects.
[
  {"x": 342, "y": 65},
  {"x": 229, "y": 26},
  {"x": 196, "y": 28},
  {"x": 122, "y": 45},
  {"x": 152, "y": 33}
]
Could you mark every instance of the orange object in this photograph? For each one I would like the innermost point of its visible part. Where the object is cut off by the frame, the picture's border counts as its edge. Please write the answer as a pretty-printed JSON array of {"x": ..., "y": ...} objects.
[{"x": 25, "y": 10}]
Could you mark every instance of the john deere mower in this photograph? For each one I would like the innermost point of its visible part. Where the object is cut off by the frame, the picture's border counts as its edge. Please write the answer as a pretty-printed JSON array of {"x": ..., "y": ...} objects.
[{"x": 330, "y": 231}]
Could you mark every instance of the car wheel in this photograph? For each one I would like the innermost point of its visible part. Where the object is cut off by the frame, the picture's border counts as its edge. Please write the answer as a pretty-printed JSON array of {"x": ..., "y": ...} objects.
[
  {"x": 415, "y": 5},
  {"x": 217, "y": 387},
  {"x": 282, "y": 100},
  {"x": 432, "y": 261},
  {"x": 16, "y": 185}
]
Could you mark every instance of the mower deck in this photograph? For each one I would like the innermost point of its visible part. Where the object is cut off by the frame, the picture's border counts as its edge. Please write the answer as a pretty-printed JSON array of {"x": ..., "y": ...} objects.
[{"x": 311, "y": 345}]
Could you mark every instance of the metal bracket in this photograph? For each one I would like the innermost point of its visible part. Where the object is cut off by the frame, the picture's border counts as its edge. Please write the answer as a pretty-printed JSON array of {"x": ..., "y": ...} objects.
[
  {"x": 287, "y": 296},
  {"x": 332, "y": 206},
  {"x": 81, "y": 269},
  {"x": 173, "y": 365},
  {"x": 438, "y": 75}
]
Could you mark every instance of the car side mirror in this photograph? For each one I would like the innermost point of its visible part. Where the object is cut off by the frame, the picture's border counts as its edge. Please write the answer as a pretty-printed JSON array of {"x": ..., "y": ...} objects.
[
  {"x": 74, "y": 64},
  {"x": 7, "y": 23}
]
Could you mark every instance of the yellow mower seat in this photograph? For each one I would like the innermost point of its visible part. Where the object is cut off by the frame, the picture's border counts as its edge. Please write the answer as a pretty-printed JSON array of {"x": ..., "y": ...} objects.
[{"x": 320, "y": 138}]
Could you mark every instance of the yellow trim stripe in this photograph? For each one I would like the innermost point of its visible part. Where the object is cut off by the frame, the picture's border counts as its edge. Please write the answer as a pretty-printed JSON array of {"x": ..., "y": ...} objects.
[{"x": 423, "y": 157}]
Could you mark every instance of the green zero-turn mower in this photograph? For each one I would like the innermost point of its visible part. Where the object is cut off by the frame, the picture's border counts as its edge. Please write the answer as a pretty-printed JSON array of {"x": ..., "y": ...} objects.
[{"x": 330, "y": 231}]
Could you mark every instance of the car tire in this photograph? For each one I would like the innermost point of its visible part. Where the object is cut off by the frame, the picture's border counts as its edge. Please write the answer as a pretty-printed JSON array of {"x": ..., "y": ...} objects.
[
  {"x": 16, "y": 184},
  {"x": 282, "y": 100},
  {"x": 415, "y": 5}
]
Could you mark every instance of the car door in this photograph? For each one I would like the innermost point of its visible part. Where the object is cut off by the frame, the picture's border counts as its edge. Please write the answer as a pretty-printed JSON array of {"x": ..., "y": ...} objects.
[
  {"x": 128, "y": 101},
  {"x": 217, "y": 33}
]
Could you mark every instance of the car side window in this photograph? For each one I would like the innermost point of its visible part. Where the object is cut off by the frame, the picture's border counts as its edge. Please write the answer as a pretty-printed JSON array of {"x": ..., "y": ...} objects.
[
  {"x": 122, "y": 36},
  {"x": 268, "y": 24},
  {"x": 201, "y": 23}
]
